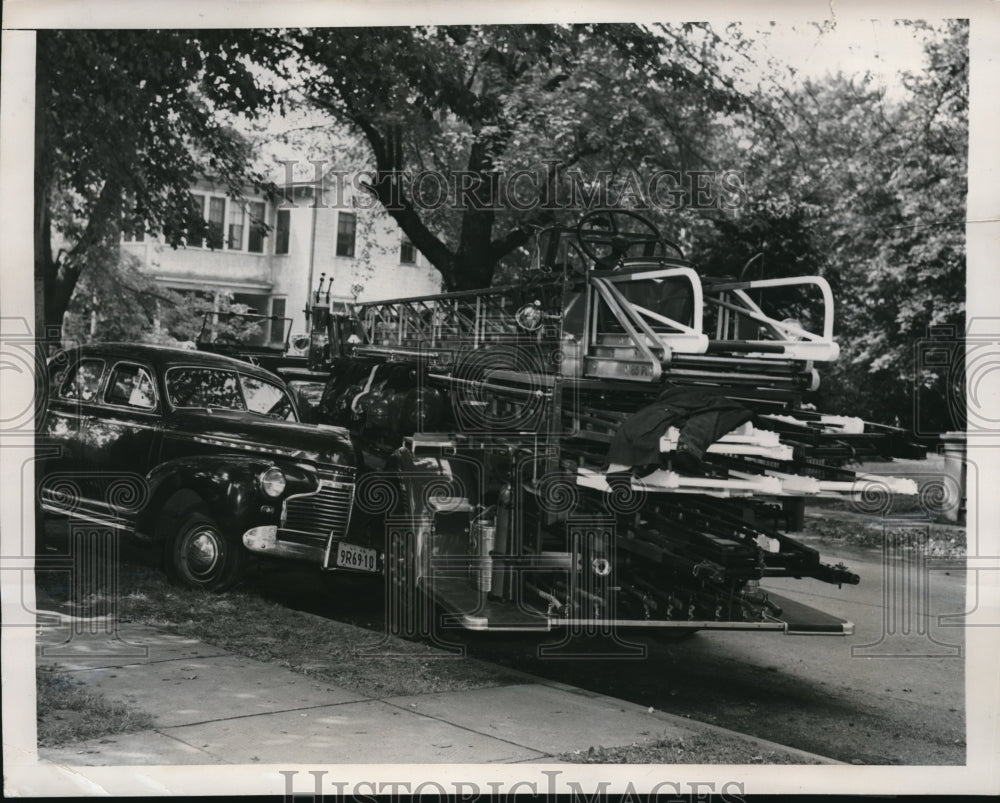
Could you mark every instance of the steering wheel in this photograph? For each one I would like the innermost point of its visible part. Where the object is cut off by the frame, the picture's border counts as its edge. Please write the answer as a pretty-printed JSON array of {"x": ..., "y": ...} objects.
[{"x": 610, "y": 241}]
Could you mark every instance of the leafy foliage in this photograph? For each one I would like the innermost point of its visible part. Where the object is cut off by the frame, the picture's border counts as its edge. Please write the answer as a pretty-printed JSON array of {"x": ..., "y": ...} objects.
[
  {"x": 871, "y": 194},
  {"x": 476, "y": 101},
  {"x": 840, "y": 179},
  {"x": 116, "y": 301},
  {"x": 126, "y": 122}
]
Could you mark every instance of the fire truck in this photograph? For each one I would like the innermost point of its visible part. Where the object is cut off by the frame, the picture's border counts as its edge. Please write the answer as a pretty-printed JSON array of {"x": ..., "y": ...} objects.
[{"x": 618, "y": 441}]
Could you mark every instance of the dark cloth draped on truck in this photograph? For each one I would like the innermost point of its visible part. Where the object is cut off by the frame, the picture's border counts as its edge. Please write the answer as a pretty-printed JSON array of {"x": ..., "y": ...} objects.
[{"x": 703, "y": 415}]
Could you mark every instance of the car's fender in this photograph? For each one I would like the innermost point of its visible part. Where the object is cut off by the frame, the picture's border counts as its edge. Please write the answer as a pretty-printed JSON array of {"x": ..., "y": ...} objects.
[{"x": 226, "y": 485}]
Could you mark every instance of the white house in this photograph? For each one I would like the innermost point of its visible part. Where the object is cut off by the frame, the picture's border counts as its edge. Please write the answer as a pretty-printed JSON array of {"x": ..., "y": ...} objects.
[{"x": 271, "y": 255}]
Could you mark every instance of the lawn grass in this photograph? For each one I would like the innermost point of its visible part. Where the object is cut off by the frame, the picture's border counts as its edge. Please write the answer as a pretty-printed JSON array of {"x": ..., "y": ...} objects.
[
  {"x": 243, "y": 622},
  {"x": 868, "y": 532},
  {"x": 695, "y": 749},
  {"x": 68, "y": 712}
]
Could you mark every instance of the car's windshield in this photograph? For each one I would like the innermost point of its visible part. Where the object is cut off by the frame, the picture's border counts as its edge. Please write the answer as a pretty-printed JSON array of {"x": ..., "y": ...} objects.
[{"x": 227, "y": 390}]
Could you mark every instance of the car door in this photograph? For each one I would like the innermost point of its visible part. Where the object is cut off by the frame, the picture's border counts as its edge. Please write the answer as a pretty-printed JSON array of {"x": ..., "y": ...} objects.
[
  {"x": 121, "y": 439},
  {"x": 74, "y": 392}
]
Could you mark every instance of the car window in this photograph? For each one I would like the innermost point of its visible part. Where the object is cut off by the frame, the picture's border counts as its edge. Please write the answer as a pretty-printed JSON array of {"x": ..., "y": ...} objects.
[
  {"x": 266, "y": 398},
  {"x": 84, "y": 381},
  {"x": 56, "y": 367},
  {"x": 204, "y": 387},
  {"x": 131, "y": 386}
]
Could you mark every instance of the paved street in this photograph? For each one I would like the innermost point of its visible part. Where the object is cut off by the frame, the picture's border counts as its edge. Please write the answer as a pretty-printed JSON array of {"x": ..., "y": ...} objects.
[
  {"x": 870, "y": 698},
  {"x": 882, "y": 704},
  {"x": 888, "y": 703}
]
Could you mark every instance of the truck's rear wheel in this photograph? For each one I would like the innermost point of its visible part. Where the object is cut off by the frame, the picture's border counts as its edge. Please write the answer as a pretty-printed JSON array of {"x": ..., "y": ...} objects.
[
  {"x": 201, "y": 555},
  {"x": 407, "y": 606},
  {"x": 409, "y": 609}
]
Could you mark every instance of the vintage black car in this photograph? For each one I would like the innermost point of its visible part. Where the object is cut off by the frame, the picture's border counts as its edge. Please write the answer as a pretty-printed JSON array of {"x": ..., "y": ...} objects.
[{"x": 201, "y": 453}]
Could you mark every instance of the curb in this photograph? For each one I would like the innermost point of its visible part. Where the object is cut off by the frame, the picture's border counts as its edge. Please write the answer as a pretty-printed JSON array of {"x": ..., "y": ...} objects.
[
  {"x": 672, "y": 719},
  {"x": 675, "y": 719}
]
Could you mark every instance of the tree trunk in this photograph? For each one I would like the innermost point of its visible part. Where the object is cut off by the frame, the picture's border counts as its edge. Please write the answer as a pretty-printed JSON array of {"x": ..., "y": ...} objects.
[
  {"x": 48, "y": 324},
  {"x": 472, "y": 264},
  {"x": 475, "y": 262}
]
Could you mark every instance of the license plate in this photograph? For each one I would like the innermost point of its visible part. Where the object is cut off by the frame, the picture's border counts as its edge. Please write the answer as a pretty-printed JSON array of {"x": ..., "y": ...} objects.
[{"x": 350, "y": 556}]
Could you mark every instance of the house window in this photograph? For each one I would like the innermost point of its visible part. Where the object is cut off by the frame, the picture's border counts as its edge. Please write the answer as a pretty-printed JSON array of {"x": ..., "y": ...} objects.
[
  {"x": 235, "y": 241},
  {"x": 277, "y": 324},
  {"x": 407, "y": 252},
  {"x": 255, "y": 303},
  {"x": 198, "y": 212},
  {"x": 216, "y": 221},
  {"x": 258, "y": 228},
  {"x": 131, "y": 224},
  {"x": 131, "y": 227},
  {"x": 346, "y": 228},
  {"x": 282, "y": 231}
]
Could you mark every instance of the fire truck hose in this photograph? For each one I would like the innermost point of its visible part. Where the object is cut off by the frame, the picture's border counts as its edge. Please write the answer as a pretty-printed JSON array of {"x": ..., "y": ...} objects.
[
  {"x": 366, "y": 390},
  {"x": 554, "y": 603}
]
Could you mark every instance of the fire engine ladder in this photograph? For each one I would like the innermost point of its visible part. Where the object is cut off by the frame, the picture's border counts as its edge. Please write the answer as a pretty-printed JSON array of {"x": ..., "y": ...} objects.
[
  {"x": 764, "y": 482},
  {"x": 737, "y": 312},
  {"x": 437, "y": 330},
  {"x": 448, "y": 322},
  {"x": 652, "y": 345},
  {"x": 640, "y": 353},
  {"x": 748, "y": 461}
]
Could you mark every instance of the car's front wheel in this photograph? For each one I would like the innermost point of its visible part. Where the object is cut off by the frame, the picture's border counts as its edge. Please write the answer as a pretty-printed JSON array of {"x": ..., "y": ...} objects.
[{"x": 200, "y": 555}]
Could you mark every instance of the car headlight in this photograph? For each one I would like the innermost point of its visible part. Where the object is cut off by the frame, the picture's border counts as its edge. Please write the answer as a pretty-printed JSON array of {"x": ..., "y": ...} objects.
[{"x": 272, "y": 481}]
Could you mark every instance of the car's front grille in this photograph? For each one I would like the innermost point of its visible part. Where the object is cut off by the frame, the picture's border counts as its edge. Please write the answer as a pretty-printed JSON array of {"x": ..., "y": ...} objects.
[{"x": 312, "y": 518}]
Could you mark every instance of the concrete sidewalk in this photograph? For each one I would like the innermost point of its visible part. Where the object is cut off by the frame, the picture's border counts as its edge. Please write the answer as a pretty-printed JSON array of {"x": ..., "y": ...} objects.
[{"x": 210, "y": 706}]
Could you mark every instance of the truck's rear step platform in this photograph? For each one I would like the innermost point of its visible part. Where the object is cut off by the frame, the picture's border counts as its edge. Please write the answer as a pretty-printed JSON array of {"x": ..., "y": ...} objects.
[
  {"x": 801, "y": 620},
  {"x": 470, "y": 609}
]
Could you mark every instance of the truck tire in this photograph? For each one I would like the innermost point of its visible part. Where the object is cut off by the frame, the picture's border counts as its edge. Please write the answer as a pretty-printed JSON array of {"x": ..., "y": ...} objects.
[
  {"x": 407, "y": 606},
  {"x": 409, "y": 610},
  {"x": 200, "y": 555}
]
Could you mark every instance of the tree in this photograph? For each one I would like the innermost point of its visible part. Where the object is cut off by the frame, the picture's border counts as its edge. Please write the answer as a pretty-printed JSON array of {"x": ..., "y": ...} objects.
[
  {"x": 115, "y": 300},
  {"x": 475, "y": 103},
  {"x": 125, "y": 122},
  {"x": 916, "y": 280},
  {"x": 870, "y": 193}
]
